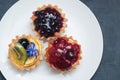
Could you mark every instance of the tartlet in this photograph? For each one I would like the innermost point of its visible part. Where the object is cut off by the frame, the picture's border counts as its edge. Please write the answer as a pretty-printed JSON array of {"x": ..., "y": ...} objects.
[
  {"x": 63, "y": 54},
  {"x": 25, "y": 52},
  {"x": 48, "y": 21}
]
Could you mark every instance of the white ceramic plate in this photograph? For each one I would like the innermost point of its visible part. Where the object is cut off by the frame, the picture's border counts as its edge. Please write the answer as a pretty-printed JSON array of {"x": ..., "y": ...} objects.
[{"x": 82, "y": 25}]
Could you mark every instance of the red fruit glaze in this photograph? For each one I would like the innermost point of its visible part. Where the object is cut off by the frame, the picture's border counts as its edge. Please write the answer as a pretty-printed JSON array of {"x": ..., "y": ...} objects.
[{"x": 63, "y": 54}]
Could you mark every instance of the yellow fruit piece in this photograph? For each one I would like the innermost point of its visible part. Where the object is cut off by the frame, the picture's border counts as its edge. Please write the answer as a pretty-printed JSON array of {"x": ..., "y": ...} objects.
[
  {"x": 30, "y": 61},
  {"x": 14, "y": 57}
]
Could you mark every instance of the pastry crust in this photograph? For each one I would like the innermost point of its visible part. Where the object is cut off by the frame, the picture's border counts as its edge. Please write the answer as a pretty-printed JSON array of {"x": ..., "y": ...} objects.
[
  {"x": 62, "y": 29},
  {"x": 70, "y": 40},
  {"x": 19, "y": 66}
]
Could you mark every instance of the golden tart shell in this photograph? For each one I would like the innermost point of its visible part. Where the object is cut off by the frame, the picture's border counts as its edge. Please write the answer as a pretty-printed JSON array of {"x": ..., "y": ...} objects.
[{"x": 31, "y": 65}]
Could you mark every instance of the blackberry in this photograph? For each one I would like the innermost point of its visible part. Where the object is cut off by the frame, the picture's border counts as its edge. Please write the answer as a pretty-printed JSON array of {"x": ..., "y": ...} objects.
[{"x": 24, "y": 42}]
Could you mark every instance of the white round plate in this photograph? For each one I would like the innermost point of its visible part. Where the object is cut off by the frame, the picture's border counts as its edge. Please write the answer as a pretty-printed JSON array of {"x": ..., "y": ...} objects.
[{"x": 82, "y": 26}]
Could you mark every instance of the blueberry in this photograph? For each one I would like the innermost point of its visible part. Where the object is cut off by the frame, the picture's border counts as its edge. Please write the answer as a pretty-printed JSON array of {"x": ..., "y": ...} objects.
[
  {"x": 57, "y": 14},
  {"x": 37, "y": 28},
  {"x": 42, "y": 12},
  {"x": 45, "y": 15},
  {"x": 43, "y": 20},
  {"x": 40, "y": 24},
  {"x": 42, "y": 32},
  {"x": 41, "y": 16},
  {"x": 24, "y": 42},
  {"x": 52, "y": 23},
  {"x": 46, "y": 35},
  {"x": 57, "y": 29},
  {"x": 56, "y": 21},
  {"x": 59, "y": 24},
  {"x": 37, "y": 13},
  {"x": 54, "y": 12},
  {"x": 48, "y": 10},
  {"x": 51, "y": 19},
  {"x": 36, "y": 21},
  {"x": 59, "y": 18},
  {"x": 49, "y": 31},
  {"x": 53, "y": 30},
  {"x": 44, "y": 27}
]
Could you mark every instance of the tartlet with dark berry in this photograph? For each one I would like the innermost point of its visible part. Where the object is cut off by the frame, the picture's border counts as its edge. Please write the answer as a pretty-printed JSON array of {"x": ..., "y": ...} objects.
[
  {"x": 48, "y": 21},
  {"x": 25, "y": 52},
  {"x": 63, "y": 54}
]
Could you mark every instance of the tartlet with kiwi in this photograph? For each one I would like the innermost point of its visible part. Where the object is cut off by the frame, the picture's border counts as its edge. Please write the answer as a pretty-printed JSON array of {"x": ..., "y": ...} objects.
[{"x": 25, "y": 52}]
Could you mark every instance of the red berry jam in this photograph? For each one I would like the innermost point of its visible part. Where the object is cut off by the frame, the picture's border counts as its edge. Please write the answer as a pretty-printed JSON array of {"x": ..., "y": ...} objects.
[
  {"x": 62, "y": 54},
  {"x": 48, "y": 22}
]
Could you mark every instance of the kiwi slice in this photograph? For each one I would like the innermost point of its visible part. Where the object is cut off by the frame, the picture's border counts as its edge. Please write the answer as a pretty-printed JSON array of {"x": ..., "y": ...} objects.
[
  {"x": 15, "y": 57},
  {"x": 20, "y": 52}
]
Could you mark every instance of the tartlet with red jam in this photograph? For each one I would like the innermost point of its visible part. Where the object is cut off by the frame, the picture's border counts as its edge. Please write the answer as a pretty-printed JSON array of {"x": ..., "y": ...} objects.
[
  {"x": 25, "y": 52},
  {"x": 63, "y": 54},
  {"x": 48, "y": 21}
]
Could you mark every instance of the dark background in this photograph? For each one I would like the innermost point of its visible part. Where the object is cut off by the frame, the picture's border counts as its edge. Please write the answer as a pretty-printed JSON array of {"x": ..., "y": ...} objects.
[{"x": 108, "y": 15}]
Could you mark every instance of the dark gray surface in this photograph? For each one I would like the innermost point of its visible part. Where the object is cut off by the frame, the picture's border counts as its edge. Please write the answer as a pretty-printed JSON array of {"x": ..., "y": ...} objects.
[{"x": 108, "y": 15}]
